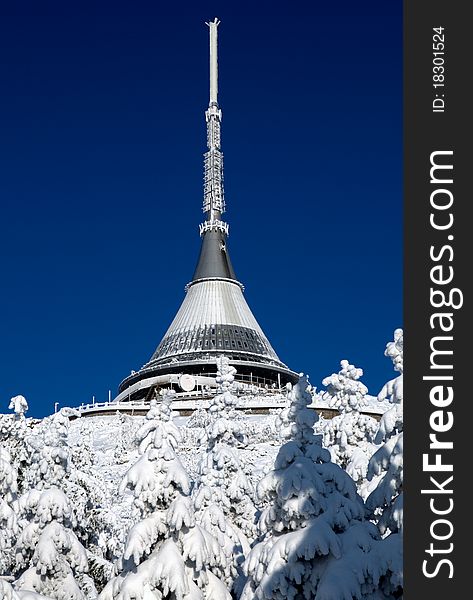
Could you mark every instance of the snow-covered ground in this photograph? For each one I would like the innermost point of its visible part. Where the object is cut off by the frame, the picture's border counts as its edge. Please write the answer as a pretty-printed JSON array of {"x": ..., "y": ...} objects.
[{"x": 112, "y": 441}]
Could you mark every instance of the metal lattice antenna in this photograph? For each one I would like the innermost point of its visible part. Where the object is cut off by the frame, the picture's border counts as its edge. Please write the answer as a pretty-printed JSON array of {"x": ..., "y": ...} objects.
[{"x": 214, "y": 199}]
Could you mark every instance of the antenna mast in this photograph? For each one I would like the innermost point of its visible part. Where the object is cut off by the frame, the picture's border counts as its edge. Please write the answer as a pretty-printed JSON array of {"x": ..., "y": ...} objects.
[
  {"x": 214, "y": 199},
  {"x": 213, "y": 61}
]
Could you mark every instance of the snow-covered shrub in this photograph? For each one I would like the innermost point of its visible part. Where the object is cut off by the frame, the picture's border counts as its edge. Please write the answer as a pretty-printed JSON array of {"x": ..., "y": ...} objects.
[
  {"x": 314, "y": 540},
  {"x": 81, "y": 454},
  {"x": 199, "y": 418},
  {"x": 263, "y": 431},
  {"x": 386, "y": 465},
  {"x": 349, "y": 436},
  {"x": 167, "y": 553},
  {"x": 19, "y": 405}
]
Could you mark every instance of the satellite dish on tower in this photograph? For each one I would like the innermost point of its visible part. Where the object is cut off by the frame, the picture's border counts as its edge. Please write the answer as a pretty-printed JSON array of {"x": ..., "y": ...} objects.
[{"x": 186, "y": 382}]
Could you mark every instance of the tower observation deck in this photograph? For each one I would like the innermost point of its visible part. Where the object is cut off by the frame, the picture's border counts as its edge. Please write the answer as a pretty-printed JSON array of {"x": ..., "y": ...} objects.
[{"x": 214, "y": 317}]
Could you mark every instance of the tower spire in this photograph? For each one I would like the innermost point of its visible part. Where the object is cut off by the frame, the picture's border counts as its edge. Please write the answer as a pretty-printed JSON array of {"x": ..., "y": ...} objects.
[
  {"x": 214, "y": 260},
  {"x": 213, "y": 60},
  {"x": 214, "y": 199}
]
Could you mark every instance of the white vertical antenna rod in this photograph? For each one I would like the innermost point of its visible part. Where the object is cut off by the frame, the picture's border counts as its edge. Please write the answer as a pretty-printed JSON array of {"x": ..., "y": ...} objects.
[
  {"x": 213, "y": 60},
  {"x": 214, "y": 200}
]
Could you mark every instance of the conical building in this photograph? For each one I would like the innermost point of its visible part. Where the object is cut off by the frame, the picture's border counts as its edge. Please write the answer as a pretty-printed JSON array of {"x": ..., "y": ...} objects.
[{"x": 214, "y": 317}]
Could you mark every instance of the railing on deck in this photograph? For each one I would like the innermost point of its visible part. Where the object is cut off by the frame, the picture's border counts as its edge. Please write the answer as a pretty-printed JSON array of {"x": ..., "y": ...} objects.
[{"x": 184, "y": 401}]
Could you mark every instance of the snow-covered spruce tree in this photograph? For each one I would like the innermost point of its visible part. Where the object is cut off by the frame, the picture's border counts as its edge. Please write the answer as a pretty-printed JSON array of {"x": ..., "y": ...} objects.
[
  {"x": 50, "y": 559},
  {"x": 49, "y": 556},
  {"x": 349, "y": 436},
  {"x": 386, "y": 465},
  {"x": 47, "y": 449},
  {"x": 168, "y": 556},
  {"x": 125, "y": 442},
  {"x": 98, "y": 527},
  {"x": 13, "y": 460},
  {"x": 315, "y": 543},
  {"x": 13, "y": 431},
  {"x": 220, "y": 468},
  {"x": 8, "y": 521},
  {"x": 51, "y": 464},
  {"x": 8, "y": 593},
  {"x": 224, "y": 494},
  {"x": 105, "y": 527}
]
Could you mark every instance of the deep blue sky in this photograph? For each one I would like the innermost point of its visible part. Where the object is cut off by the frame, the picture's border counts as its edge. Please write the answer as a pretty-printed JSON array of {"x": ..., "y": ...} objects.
[{"x": 101, "y": 139}]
